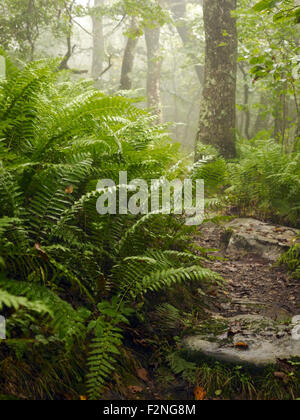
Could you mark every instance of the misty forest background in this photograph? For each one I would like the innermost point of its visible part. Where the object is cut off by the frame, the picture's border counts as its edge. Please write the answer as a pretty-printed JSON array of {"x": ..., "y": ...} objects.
[{"x": 207, "y": 89}]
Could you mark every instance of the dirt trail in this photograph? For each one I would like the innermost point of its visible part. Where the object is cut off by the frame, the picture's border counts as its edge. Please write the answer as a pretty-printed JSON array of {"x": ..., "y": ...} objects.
[{"x": 253, "y": 284}]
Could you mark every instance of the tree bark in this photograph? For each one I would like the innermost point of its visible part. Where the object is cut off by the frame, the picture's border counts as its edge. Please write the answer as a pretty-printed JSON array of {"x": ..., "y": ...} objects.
[
  {"x": 218, "y": 109},
  {"x": 178, "y": 8},
  {"x": 280, "y": 115},
  {"x": 98, "y": 42},
  {"x": 262, "y": 122},
  {"x": 154, "y": 71},
  {"x": 128, "y": 59},
  {"x": 246, "y": 102},
  {"x": 297, "y": 134}
]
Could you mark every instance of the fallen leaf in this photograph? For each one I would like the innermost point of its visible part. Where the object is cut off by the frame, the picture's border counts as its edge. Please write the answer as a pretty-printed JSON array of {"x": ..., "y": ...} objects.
[
  {"x": 278, "y": 229},
  {"x": 282, "y": 375},
  {"x": 41, "y": 251},
  {"x": 69, "y": 190},
  {"x": 143, "y": 374},
  {"x": 200, "y": 393},
  {"x": 38, "y": 247},
  {"x": 83, "y": 398},
  {"x": 241, "y": 345}
]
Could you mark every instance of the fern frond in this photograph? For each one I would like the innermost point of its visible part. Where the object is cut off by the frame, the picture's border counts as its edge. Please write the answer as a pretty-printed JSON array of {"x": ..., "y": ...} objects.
[
  {"x": 167, "y": 278},
  {"x": 16, "y": 302},
  {"x": 180, "y": 366},
  {"x": 66, "y": 321},
  {"x": 102, "y": 359}
]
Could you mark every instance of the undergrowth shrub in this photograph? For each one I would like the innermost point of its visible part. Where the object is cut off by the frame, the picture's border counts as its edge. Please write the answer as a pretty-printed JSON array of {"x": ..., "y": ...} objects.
[
  {"x": 266, "y": 182},
  {"x": 291, "y": 261},
  {"x": 223, "y": 381},
  {"x": 70, "y": 279},
  {"x": 212, "y": 168}
]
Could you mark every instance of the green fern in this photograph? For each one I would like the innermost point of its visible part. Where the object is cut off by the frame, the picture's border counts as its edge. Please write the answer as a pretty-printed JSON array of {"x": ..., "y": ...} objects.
[
  {"x": 58, "y": 139},
  {"x": 65, "y": 320},
  {"x": 11, "y": 301},
  {"x": 180, "y": 366},
  {"x": 266, "y": 182},
  {"x": 105, "y": 347},
  {"x": 291, "y": 260}
]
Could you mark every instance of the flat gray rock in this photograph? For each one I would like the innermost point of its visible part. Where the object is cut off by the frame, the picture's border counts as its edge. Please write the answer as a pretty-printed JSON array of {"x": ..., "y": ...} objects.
[
  {"x": 265, "y": 340},
  {"x": 257, "y": 237}
]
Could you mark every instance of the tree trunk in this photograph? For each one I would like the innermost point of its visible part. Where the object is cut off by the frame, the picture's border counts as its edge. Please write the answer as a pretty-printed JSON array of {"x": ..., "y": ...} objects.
[
  {"x": 218, "y": 109},
  {"x": 128, "y": 59},
  {"x": 280, "y": 115},
  {"x": 246, "y": 111},
  {"x": 178, "y": 8},
  {"x": 297, "y": 108},
  {"x": 98, "y": 42},
  {"x": 154, "y": 70},
  {"x": 262, "y": 121},
  {"x": 297, "y": 135}
]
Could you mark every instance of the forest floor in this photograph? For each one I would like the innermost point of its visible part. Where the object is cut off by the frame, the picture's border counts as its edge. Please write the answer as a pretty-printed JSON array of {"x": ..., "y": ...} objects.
[{"x": 253, "y": 285}]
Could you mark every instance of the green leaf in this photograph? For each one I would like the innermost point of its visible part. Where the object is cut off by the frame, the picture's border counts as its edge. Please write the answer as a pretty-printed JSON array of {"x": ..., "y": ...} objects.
[{"x": 265, "y": 5}]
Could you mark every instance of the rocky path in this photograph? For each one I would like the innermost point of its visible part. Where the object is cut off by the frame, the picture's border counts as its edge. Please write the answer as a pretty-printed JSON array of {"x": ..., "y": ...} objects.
[
  {"x": 255, "y": 318},
  {"x": 254, "y": 285}
]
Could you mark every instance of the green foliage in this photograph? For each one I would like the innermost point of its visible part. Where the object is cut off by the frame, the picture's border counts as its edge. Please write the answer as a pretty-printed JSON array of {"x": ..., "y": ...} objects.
[
  {"x": 24, "y": 23},
  {"x": 180, "y": 366},
  {"x": 58, "y": 139},
  {"x": 225, "y": 381},
  {"x": 266, "y": 182},
  {"x": 291, "y": 260},
  {"x": 148, "y": 14},
  {"x": 216, "y": 379},
  {"x": 11, "y": 301},
  {"x": 270, "y": 48},
  {"x": 269, "y": 52},
  {"x": 212, "y": 169},
  {"x": 106, "y": 344},
  {"x": 288, "y": 9}
]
